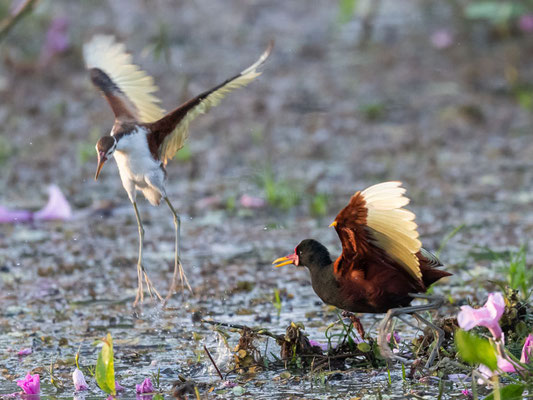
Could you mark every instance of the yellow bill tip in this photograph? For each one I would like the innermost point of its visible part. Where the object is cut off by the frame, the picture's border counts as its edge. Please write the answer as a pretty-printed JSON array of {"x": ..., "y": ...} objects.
[
  {"x": 283, "y": 261},
  {"x": 333, "y": 224}
]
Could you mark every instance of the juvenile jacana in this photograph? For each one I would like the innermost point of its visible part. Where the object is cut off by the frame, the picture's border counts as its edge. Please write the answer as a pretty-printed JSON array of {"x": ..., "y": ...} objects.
[
  {"x": 382, "y": 266},
  {"x": 143, "y": 137}
]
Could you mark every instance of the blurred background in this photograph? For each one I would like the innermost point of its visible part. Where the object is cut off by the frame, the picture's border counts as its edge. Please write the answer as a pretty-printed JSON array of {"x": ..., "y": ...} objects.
[{"x": 437, "y": 94}]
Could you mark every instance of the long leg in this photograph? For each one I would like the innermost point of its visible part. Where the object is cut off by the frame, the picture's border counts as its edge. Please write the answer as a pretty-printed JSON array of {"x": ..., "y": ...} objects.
[
  {"x": 140, "y": 268},
  {"x": 439, "y": 338},
  {"x": 178, "y": 268},
  {"x": 385, "y": 324}
]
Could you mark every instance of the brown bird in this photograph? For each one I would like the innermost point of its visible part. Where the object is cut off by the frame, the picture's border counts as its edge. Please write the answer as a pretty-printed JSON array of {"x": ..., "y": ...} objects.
[
  {"x": 382, "y": 266},
  {"x": 143, "y": 137}
]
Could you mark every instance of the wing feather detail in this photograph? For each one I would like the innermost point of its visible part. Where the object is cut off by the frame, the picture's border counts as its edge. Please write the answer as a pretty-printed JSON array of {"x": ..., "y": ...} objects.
[
  {"x": 127, "y": 88},
  {"x": 386, "y": 225},
  {"x": 171, "y": 142}
]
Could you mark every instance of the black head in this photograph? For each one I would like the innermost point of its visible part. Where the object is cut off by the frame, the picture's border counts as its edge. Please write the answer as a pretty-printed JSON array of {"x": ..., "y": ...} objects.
[
  {"x": 104, "y": 148},
  {"x": 309, "y": 253},
  {"x": 312, "y": 253}
]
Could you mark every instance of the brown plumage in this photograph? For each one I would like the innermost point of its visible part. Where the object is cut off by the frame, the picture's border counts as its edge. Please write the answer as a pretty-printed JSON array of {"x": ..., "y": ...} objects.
[{"x": 382, "y": 264}]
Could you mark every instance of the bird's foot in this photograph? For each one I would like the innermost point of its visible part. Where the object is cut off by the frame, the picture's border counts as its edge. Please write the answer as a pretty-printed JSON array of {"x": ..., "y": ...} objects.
[
  {"x": 152, "y": 291},
  {"x": 356, "y": 322},
  {"x": 178, "y": 271}
]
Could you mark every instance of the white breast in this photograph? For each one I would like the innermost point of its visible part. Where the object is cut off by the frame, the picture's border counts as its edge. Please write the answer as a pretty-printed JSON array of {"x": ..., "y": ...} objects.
[{"x": 137, "y": 167}]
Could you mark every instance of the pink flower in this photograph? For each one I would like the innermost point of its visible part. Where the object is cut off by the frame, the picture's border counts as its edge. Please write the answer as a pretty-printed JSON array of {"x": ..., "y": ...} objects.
[
  {"x": 10, "y": 216},
  {"x": 118, "y": 387},
  {"x": 248, "y": 201},
  {"x": 31, "y": 384},
  {"x": 488, "y": 316},
  {"x": 525, "y": 23},
  {"x": 504, "y": 365},
  {"x": 56, "y": 208},
  {"x": 441, "y": 39},
  {"x": 395, "y": 335},
  {"x": 145, "y": 387},
  {"x": 467, "y": 393},
  {"x": 527, "y": 349},
  {"x": 229, "y": 384},
  {"x": 314, "y": 343},
  {"x": 79, "y": 380},
  {"x": 57, "y": 40},
  {"x": 24, "y": 352}
]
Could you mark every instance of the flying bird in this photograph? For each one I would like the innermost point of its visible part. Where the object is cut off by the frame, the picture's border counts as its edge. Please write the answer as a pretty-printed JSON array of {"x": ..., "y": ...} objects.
[
  {"x": 143, "y": 138},
  {"x": 382, "y": 266}
]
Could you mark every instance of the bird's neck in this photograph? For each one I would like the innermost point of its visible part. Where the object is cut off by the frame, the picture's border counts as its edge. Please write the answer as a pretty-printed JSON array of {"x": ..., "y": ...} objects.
[{"x": 325, "y": 283}]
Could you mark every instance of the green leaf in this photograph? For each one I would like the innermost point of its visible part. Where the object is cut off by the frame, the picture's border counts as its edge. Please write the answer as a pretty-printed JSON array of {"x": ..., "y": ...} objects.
[
  {"x": 494, "y": 11},
  {"x": 513, "y": 391},
  {"x": 364, "y": 347},
  {"x": 105, "y": 369},
  {"x": 475, "y": 350},
  {"x": 346, "y": 10}
]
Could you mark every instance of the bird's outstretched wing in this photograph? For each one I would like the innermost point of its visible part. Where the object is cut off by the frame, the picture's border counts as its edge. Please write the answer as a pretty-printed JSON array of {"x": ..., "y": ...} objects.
[
  {"x": 169, "y": 133},
  {"x": 127, "y": 88},
  {"x": 375, "y": 221}
]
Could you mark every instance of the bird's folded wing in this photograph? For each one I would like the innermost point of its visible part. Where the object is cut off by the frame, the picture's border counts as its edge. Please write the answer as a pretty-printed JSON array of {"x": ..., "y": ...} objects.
[
  {"x": 127, "y": 88},
  {"x": 375, "y": 220},
  {"x": 171, "y": 131}
]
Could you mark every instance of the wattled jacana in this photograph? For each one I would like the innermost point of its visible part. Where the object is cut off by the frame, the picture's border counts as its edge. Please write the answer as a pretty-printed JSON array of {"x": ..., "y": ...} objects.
[
  {"x": 143, "y": 137},
  {"x": 382, "y": 266}
]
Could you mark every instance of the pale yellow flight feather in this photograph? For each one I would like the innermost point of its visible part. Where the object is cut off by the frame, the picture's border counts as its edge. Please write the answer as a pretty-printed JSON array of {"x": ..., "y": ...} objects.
[
  {"x": 392, "y": 227},
  {"x": 176, "y": 139},
  {"x": 105, "y": 53}
]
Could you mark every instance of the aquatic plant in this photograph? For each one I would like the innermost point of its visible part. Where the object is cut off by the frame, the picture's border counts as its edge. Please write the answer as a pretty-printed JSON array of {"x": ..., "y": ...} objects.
[
  {"x": 105, "y": 368},
  {"x": 31, "y": 384},
  {"x": 145, "y": 387},
  {"x": 79, "y": 380},
  {"x": 492, "y": 355},
  {"x": 488, "y": 316},
  {"x": 25, "y": 352}
]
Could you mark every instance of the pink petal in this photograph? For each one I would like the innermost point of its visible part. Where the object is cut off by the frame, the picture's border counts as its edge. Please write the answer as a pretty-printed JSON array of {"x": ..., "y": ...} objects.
[
  {"x": 505, "y": 365},
  {"x": 488, "y": 316},
  {"x": 248, "y": 201},
  {"x": 469, "y": 317},
  {"x": 10, "y": 216},
  {"x": 314, "y": 343},
  {"x": 467, "y": 393},
  {"x": 56, "y": 208},
  {"x": 441, "y": 39},
  {"x": 496, "y": 305},
  {"x": 527, "y": 349},
  {"x": 30, "y": 384},
  {"x": 395, "y": 335},
  {"x": 118, "y": 387},
  {"x": 525, "y": 23},
  {"x": 79, "y": 381},
  {"x": 145, "y": 387},
  {"x": 24, "y": 352}
]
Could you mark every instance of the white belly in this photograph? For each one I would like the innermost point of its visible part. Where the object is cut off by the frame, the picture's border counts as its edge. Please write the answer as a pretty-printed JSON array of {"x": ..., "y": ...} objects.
[{"x": 138, "y": 170}]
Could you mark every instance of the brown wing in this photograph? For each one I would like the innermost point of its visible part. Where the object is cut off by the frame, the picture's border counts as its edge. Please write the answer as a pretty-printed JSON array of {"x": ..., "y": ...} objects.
[
  {"x": 126, "y": 87},
  {"x": 374, "y": 224},
  {"x": 350, "y": 225},
  {"x": 168, "y": 134}
]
